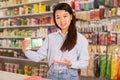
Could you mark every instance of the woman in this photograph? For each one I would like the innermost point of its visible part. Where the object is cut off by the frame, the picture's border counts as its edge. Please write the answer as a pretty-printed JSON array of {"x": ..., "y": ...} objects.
[{"x": 66, "y": 50}]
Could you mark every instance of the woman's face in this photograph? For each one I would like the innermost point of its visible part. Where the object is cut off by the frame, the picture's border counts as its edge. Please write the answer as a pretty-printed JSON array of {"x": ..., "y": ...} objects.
[{"x": 63, "y": 19}]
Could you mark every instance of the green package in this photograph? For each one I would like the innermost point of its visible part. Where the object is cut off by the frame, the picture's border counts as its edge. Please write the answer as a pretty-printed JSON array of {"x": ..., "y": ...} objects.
[
  {"x": 102, "y": 65},
  {"x": 108, "y": 70}
]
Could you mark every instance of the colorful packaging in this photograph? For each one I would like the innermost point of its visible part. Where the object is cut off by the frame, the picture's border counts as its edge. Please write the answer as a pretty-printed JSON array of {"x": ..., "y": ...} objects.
[
  {"x": 90, "y": 71},
  {"x": 108, "y": 71},
  {"x": 118, "y": 76},
  {"x": 97, "y": 62},
  {"x": 118, "y": 11},
  {"x": 113, "y": 11},
  {"x": 29, "y": 47},
  {"x": 86, "y": 5},
  {"x": 96, "y": 65},
  {"x": 102, "y": 2},
  {"x": 106, "y": 2},
  {"x": 102, "y": 65},
  {"x": 102, "y": 10},
  {"x": 119, "y": 3},
  {"x": 111, "y": 3},
  {"x": 97, "y": 14},
  {"x": 36, "y": 8},
  {"x": 115, "y": 3},
  {"x": 77, "y": 8},
  {"x": 82, "y": 6},
  {"x": 103, "y": 62},
  {"x": 114, "y": 66},
  {"x": 96, "y": 4}
]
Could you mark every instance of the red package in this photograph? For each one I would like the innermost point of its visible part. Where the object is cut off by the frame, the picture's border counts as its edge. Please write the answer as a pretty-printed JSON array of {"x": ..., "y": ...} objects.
[
  {"x": 33, "y": 78},
  {"x": 115, "y": 3},
  {"x": 109, "y": 39}
]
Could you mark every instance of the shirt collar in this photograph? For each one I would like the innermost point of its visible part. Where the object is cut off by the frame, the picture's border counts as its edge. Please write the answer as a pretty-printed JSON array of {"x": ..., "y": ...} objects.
[
  {"x": 61, "y": 32},
  {"x": 64, "y": 36}
]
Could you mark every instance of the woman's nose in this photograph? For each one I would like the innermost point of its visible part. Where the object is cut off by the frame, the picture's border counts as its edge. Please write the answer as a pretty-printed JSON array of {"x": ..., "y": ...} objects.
[{"x": 62, "y": 19}]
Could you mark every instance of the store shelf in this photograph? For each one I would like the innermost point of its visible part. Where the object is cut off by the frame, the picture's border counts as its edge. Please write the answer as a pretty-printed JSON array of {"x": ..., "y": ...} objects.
[
  {"x": 92, "y": 78},
  {"x": 14, "y": 37},
  {"x": 27, "y": 15},
  {"x": 11, "y": 30},
  {"x": 79, "y": 17},
  {"x": 18, "y": 5},
  {"x": 19, "y": 37},
  {"x": 114, "y": 32},
  {"x": 20, "y": 59},
  {"x": 26, "y": 26},
  {"x": 15, "y": 48}
]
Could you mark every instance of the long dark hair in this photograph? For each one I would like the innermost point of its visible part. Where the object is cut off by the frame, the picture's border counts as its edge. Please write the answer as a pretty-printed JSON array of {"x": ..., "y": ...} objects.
[{"x": 71, "y": 38}]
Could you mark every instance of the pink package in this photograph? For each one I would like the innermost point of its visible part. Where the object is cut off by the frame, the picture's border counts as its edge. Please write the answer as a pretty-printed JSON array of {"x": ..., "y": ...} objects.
[{"x": 33, "y": 78}]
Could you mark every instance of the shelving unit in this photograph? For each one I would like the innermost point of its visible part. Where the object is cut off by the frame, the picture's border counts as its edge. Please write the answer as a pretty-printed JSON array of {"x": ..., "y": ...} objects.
[
  {"x": 27, "y": 15},
  {"x": 26, "y": 3},
  {"x": 101, "y": 28},
  {"x": 99, "y": 39},
  {"x": 26, "y": 26},
  {"x": 18, "y": 59},
  {"x": 9, "y": 30}
]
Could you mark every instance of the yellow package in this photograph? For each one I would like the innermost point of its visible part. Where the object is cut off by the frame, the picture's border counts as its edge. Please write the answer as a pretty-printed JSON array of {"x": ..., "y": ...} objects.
[
  {"x": 106, "y": 2},
  {"x": 114, "y": 67},
  {"x": 113, "y": 10},
  {"x": 40, "y": 7},
  {"x": 90, "y": 70},
  {"x": 43, "y": 8},
  {"x": 36, "y": 8}
]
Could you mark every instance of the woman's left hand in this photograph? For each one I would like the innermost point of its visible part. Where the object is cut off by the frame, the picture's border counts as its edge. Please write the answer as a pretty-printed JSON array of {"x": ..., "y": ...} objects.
[{"x": 64, "y": 62}]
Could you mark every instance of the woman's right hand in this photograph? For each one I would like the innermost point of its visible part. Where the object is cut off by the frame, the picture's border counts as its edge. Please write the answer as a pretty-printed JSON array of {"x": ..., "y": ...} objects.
[{"x": 25, "y": 43}]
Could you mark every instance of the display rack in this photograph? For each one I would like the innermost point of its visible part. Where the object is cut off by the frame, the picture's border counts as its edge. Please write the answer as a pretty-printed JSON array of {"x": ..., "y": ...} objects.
[{"x": 12, "y": 25}]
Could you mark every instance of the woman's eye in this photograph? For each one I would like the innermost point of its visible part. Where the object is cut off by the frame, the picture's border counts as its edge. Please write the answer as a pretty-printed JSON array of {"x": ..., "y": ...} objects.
[
  {"x": 57, "y": 17},
  {"x": 65, "y": 16}
]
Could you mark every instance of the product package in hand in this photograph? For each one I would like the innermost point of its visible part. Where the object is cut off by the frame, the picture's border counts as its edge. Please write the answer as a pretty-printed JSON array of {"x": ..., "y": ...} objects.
[
  {"x": 33, "y": 78},
  {"x": 29, "y": 47}
]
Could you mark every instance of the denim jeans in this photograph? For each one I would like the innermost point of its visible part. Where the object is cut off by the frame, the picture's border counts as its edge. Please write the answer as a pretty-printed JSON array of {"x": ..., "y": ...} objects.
[{"x": 67, "y": 74}]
